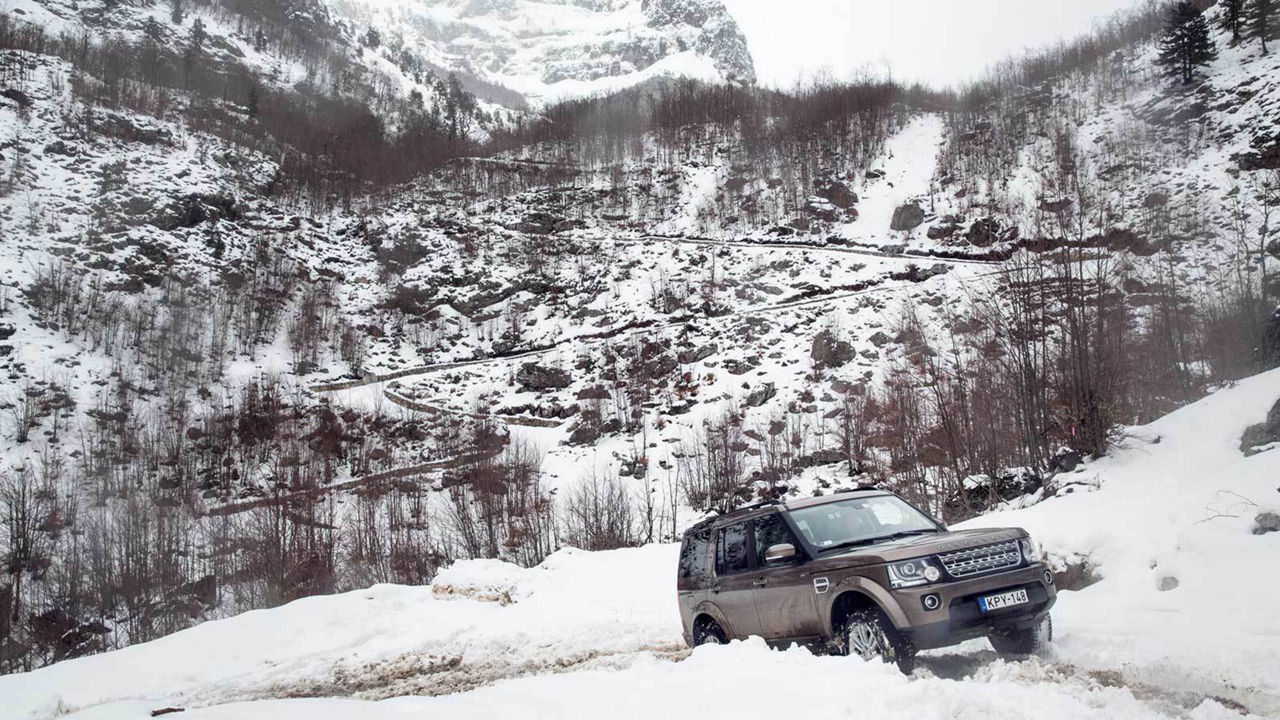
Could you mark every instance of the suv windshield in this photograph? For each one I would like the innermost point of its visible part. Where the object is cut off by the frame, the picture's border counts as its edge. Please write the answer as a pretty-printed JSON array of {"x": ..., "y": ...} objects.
[{"x": 860, "y": 521}]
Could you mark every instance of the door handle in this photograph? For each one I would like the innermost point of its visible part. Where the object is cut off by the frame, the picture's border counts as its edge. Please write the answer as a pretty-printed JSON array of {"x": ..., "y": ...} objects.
[{"x": 761, "y": 582}]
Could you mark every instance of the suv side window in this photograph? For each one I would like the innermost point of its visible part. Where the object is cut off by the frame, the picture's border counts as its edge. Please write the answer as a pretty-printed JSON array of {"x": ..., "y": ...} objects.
[
  {"x": 731, "y": 550},
  {"x": 693, "y": 555},
  {"x": 772, "y": 530}
]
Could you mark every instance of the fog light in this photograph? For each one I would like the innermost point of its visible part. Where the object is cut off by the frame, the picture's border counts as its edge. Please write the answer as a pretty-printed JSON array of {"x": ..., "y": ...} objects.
[
  {"x": 931, "y": 602},
  {"x": 1048, "y": 578}
]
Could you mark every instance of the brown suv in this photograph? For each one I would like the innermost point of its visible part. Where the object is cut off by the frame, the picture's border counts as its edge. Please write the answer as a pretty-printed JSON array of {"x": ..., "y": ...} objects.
[{"x": 865, "y": 573}]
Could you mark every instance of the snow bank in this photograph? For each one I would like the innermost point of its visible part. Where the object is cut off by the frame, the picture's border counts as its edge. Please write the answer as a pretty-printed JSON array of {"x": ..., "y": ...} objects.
[
  {"x": 1174, "y": 509},
  {"x": 575, "y": 609}
]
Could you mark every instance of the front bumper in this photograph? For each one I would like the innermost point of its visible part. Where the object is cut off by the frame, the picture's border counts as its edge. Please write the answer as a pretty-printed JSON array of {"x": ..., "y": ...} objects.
[{"x": 957, "y": 616}]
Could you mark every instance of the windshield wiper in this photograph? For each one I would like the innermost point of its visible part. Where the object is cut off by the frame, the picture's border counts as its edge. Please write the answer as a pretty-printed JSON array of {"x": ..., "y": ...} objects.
[{"x": 880, "y": 539}]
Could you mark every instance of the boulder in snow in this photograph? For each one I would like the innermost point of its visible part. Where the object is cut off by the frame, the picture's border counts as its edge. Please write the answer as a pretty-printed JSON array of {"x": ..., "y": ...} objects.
[
  {"x": 533, "y": 376},
  {"x": 1266, "y": 522},
  {"x": 837, "y": 193},
  {"x": 828, "y": 351},
  {"x": 761, "y": 395},
  {"x": 907, "y": 217}
]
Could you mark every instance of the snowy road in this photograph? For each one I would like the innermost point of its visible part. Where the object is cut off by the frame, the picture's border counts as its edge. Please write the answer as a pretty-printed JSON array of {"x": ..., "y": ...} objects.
[{"x": 748, "y": 680}]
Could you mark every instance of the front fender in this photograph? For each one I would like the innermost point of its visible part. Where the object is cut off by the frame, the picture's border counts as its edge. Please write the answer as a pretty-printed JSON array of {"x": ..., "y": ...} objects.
[{"x": 869, "y": 588}]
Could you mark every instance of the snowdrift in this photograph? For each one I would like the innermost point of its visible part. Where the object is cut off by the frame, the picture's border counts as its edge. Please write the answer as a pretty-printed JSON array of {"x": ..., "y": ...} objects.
[{"x": 1180, "y": 623}]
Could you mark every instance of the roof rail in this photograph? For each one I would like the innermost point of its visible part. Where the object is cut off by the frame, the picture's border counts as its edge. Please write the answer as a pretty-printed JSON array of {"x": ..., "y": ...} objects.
[
  {"x": 753, "y": 506},
  {"x": 860, "y": 488}
]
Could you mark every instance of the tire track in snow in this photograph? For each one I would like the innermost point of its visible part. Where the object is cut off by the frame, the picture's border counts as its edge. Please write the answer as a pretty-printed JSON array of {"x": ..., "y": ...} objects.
[{"x": 1162, "y": 689}]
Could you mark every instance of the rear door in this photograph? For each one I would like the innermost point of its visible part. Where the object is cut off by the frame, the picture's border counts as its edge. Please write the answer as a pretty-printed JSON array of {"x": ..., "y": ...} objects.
[
  {"x": 784, "y": 595},
  {"x": 695, "y": 572},
  {"x": 733, "y": 590}
]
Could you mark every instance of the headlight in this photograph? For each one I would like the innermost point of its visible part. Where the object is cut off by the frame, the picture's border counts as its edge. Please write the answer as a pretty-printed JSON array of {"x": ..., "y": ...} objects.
[
  {"x": 912, "y": 573},
  {"x": 1029, "y": 551}
]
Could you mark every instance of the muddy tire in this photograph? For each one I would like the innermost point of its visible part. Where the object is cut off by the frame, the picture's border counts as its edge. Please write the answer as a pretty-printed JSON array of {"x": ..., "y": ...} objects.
[
  {"x": 708, "y": 632},
  {"x": 869, "y": 634},
  {"x": 1020, "y": 643}
]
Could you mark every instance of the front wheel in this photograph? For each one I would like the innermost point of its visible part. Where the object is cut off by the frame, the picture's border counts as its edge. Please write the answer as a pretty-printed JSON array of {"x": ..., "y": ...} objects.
[
  {"x": 1025, "y": 641},
  {"x": 869, "y": 635}
]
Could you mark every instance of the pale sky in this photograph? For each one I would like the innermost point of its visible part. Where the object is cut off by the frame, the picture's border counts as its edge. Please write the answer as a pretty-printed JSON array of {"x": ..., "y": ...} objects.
[{"x": 940, "y": 42}]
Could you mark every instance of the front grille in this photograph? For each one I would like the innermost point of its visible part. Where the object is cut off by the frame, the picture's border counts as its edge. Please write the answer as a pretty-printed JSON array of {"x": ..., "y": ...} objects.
[{"x": 982, "y": 560}]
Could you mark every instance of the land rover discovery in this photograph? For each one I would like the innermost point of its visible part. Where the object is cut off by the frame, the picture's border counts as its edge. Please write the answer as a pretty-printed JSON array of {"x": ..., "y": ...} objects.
[{"x": 865, "y": 573}]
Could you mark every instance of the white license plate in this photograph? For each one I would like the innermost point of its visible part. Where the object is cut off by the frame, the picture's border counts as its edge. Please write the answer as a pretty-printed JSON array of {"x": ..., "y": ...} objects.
[{"x": 1003, "y": 600}]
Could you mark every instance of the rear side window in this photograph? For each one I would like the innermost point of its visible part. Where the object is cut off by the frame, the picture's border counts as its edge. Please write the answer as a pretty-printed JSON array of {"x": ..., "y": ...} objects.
[
  {"x": 693, "y": 554},
  {"x": 731, "y": 550}
]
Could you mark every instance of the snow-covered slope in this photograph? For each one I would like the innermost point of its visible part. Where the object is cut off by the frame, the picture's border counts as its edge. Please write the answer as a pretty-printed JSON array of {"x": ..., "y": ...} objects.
[
  {"x": 595, "y": 633},
  {"x": 549, "y": 50}
]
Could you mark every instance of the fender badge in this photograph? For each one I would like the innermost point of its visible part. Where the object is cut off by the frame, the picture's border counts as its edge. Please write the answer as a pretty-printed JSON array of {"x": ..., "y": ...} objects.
[{"x": 821, "y": 585}]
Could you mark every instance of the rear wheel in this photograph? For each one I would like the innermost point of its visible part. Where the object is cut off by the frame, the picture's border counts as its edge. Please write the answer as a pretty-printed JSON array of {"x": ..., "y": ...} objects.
[
  {"x": 1022, "y": 642},
  {"x": 869, "y": 635},
  {"x": 708, "y": 632}
]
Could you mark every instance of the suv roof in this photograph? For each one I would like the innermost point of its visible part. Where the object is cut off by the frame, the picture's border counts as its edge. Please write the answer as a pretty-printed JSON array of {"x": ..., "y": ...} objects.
[
  {"x": 747, "y": 511},
  {"x": 824, "y": 499}
]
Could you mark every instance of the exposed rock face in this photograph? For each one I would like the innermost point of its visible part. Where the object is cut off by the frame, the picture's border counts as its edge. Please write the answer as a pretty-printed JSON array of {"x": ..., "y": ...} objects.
[
  {"x": 1258, "y": 438},
  {"x": 949, "y": 226},
  {"x": 984, "y": 232},
  {"x": 17, "y": 96},
  {"x": 828, "y": 351},
  {"x": 688, "y": 357},
  {"x": 1155, "y": 200},
  {"x": 533, "y": 376},
  {"x": 1054, "y": 206},
  {"x": 1267, "y": 158},
  {"x": 585, "y": 433},
  {"x": 735, "y": 366},
  {"x": 539, "y": 223},
  {"x": 907, "y": 217}
]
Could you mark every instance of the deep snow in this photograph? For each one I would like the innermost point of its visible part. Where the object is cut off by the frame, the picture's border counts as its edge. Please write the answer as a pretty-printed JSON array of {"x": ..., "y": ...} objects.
[{"x": 586, "y": 634}]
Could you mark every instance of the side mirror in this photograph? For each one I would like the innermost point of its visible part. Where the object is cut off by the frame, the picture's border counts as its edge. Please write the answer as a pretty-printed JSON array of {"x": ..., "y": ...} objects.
[{"x": 780, "y": 553}]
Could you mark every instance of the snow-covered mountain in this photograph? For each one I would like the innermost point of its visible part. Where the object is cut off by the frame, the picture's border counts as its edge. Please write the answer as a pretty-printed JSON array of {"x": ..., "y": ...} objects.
[
  {"x": 548, "y": 50},
  {"x": 1167, "y": 620}
]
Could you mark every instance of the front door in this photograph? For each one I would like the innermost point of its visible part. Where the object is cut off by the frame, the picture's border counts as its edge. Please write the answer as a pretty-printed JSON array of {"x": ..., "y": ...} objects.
[
  {"x": 785, "y": 597},
  {"x": 733, "y": 589}
]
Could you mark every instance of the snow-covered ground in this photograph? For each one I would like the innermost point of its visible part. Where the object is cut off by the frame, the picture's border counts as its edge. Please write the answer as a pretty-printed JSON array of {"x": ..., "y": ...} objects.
[{"x": 595, "y": 634}]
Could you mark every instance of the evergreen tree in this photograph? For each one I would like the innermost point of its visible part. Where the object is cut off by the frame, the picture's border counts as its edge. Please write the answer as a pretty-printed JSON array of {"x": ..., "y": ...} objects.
[
  {"x": 194, "y": 49},
  {"x": 198, "y": 35},
  {"x": 1263, "y": 21},
  {"x": 152, "y": 30},
  {"x": 1233, "y": 18},
  {"x": 177, "y": 13},
  {"x": 1186, "y": 44}
]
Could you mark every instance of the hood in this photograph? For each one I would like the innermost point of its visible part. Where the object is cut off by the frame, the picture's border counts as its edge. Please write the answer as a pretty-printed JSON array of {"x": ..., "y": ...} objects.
[{"x": 917, "y": 546}]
